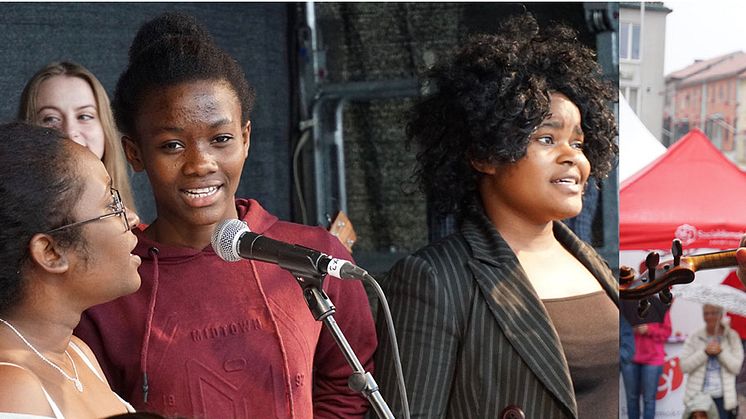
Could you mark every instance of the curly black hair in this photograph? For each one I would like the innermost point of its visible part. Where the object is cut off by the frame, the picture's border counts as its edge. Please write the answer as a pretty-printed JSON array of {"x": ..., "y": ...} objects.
[
  {"x": 490, "y": 96},
  {"x": 39, "y": 186},
  {"x": 174, "y": 48}
]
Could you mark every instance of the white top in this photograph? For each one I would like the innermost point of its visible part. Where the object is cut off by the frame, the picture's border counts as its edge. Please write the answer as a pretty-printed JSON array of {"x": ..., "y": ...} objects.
[{"x": 55, "y": 409}]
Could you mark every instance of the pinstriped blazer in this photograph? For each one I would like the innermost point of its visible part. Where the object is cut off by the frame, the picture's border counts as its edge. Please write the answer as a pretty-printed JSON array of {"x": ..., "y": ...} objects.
[{"x": 473, "y": 334}]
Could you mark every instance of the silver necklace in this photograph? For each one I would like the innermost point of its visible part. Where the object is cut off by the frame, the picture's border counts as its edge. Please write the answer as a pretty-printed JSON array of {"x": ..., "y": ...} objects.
[{"x": 75, "y": 380}]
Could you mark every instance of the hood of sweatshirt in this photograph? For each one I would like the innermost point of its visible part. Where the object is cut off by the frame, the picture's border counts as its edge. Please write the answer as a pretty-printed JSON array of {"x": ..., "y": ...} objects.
[{"x": 249, "y": 210}]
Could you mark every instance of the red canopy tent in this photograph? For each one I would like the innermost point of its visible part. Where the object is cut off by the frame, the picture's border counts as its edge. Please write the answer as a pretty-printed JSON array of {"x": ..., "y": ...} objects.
[{"x": 692, "y": 192}]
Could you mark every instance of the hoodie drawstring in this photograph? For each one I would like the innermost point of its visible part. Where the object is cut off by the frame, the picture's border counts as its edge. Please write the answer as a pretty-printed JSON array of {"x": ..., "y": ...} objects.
[{"x": 153, "y": 252}]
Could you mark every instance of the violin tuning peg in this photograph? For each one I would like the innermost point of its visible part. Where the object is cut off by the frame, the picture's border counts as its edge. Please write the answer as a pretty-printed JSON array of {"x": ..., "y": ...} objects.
[
  {"x": 676, "y": 251},
  {"x": 643, "y": 307},
  {"x": 651, "y": 262},
  {"x": 665, "y": 296},
  {"x": 626, "y": 274}
]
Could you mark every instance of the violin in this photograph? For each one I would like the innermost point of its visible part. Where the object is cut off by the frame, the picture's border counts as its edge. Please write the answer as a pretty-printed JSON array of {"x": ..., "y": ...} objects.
[{"x": 659, "y": 277}]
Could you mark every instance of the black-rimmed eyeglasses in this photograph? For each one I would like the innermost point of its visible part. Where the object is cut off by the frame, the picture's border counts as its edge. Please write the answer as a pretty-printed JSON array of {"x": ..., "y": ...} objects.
[{"x": 118, "y": 209}]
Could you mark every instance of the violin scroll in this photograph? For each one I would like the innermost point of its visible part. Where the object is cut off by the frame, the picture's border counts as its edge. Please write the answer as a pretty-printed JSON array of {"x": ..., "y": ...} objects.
[
  {"x": 627, "y": 277},
  {"x": 660, "y": 276}
]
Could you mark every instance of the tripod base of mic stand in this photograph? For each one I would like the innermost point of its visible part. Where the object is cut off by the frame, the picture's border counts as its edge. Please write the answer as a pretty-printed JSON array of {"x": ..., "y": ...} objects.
[{"x": 323, "y": 310}]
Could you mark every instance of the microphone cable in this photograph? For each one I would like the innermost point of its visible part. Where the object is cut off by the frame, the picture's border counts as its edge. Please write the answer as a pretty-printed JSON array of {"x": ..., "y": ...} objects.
[{"x": 392, "y": 340}]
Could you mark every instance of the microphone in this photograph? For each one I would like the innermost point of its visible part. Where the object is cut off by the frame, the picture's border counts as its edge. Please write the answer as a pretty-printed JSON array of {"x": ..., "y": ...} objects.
[{"x": 232, "y": 241}]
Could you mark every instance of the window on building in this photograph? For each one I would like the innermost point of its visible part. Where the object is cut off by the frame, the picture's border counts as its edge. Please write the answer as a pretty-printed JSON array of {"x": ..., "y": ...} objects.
[
  {"x": 715, "y": 129},
  {"x": 681, "y": 128},
  {"x": 630, "y": 93},
  {"x": 735, "y": 134},
  {"x": 629, "y": 41}
]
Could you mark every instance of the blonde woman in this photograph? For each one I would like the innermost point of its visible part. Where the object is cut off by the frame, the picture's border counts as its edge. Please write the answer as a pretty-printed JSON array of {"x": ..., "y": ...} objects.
[{"x": 66, "y": 96}]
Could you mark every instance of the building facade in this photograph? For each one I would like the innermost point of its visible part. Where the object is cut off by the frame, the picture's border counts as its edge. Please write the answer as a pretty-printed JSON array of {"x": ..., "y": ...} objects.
[
  {"x": 642, "y": 34},
  {"x": 705, "y": 95}
]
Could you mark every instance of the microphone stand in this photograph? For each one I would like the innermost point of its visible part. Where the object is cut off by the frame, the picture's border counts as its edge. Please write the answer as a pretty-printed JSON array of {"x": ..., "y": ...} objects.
[{"x": 323, "y": 310}]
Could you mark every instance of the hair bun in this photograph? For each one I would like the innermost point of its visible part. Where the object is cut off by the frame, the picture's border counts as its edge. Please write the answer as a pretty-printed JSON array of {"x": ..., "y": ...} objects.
[{"x": 165, "y": 27}]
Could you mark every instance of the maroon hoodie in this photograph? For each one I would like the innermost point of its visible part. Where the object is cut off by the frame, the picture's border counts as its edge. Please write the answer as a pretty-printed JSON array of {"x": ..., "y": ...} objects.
[{"x": 204, "y": 338}]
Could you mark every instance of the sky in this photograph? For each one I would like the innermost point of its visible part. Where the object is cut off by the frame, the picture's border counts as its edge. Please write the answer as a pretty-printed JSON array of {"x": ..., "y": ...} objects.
[{"x": 703, "y": 29}]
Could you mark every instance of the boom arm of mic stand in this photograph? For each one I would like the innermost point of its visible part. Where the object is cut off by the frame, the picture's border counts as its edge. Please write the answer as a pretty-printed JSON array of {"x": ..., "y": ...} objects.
[{"x": 323, "y": 310}]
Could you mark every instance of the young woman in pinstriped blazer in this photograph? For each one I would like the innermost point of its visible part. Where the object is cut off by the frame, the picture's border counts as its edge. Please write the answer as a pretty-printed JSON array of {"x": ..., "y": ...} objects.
[{"x": 513, "y": 315}]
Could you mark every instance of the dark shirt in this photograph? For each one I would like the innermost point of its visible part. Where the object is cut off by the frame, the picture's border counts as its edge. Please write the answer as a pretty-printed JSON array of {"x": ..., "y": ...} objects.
[{"x": 591, "y": 346}]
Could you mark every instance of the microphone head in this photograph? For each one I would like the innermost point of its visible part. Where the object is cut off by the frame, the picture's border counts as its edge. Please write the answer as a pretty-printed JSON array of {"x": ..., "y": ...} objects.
[{"x": 225, "y": 239}]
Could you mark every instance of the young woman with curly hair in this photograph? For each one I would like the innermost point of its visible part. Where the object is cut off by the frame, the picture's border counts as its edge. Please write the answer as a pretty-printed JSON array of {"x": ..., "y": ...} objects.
[{"x": 512, "y": 315}]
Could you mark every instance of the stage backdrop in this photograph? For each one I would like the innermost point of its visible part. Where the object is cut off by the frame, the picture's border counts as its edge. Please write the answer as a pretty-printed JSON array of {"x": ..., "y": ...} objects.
[{"x": 98, "y": 36}]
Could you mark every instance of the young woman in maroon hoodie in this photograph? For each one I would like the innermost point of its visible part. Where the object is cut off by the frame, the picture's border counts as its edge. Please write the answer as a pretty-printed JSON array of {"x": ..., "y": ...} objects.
[{"x": 203, "y": 337}]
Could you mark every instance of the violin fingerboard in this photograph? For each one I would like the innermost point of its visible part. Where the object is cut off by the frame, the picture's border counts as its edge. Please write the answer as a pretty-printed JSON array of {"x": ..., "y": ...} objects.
[{"x": 724, "y": 259}]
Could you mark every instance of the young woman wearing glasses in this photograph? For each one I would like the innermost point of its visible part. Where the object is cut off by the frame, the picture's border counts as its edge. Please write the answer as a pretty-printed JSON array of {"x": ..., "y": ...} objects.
[{"x": 65, "y": 245}]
